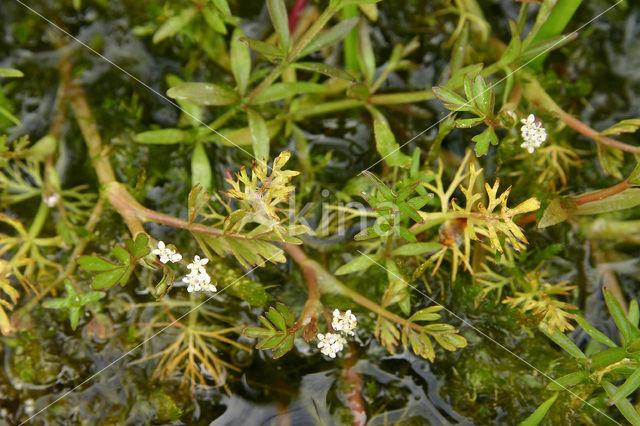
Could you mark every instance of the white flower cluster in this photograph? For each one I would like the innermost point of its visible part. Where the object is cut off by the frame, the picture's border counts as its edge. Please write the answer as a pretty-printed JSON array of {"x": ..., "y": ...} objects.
[
  {"x": 332, "y": 343},
  {"x": 198, "y": 279},
  {"x": 345, "y": 322},
  {"x": 533, "y": 133},
  {"x": 166, "y": 254}
]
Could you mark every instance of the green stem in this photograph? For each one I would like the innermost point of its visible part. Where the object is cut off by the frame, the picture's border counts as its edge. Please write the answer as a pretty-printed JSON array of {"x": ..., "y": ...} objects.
[{"x": 35, "y": 228}]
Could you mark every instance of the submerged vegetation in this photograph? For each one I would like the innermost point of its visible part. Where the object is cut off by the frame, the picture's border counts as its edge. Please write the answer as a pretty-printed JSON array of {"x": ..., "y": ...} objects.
[{"x": 342, "y": 211}]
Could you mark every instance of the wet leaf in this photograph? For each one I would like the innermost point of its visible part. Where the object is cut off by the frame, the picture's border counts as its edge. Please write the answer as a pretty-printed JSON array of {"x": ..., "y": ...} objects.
[
  {"x": 387, "y": 146},
  {"x": 201, "y": 167},
  {"x": 415, "y": 249},
  {"x": 278, "y": 91},
  {"x": 624, "y": 200},
  {"x": 329, "y": 37},
  {"x": 483, "y": 140},
  {"x": 554, "y": 213},
  {"x": 358, "y": 264},
  {"x": 174, "y": 24},
  {"x": 325, "y": 69},
  {"x": 278, "y": 13},
  {"x": 366, "y": 58},
  {"x": 267, "y": 50},
  {"x": 240, "y": 60},
  {"x": 203, "y": 94},
  {"x": 259, "y": 135},
  {"x": 537, "y": 416}
]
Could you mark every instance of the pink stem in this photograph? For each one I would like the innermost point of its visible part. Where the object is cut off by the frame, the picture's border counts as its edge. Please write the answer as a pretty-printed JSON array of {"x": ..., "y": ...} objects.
[{"x": 294, "y": 15}]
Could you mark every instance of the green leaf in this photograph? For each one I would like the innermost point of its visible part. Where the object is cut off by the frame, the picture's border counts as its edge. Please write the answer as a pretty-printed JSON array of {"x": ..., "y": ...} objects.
[
  {"x": 368, "y": 233},
  {"x": 138, "y": 248},
  {"x": 106, "y": 280},
  {"x": 401, "y": 97},
  {"x": 451, "y": 98},
  {"x": 267, "y": 50},
  {"x": 339, "y": 4},
  {"x": 203, "y": 94},
  {"x": 624, "y": 200},
  {"x": 280, "y": 20},
  {"x": 634, "y": 313},
  {"x": 406, "y": 234},
  {"x": 278, "y": 91},
  {"x": 276, "y": 319},
  {"x": 10, "y": 72},
  {"x": 366, "y": 58},
  {"x": 483, "y": 140},
  {"x": 625, "y": 126},
  {"x": 469, "y": 122},
  {"x": 259, "y": 135},
  {"x": 536, "y": 417},
  {"x": 289, "y": 318},
  {"x": 161, "y": 136},
  {"x": 427, "y": 314},
  {"x": 415, "y": 249},
  {"x": 593, "y": 332},
  {"x": 563, "y": 341},
  {"x": 385, "y": 191},
  {"x": 256, "y": 332},
  {"x": 634, "y": 177},
  {"x": 272, "y": 342},
  {"x": 174, "y": 24},
  {"x": 222, "y": 6},
  {"x": 626, "y": 408},
  {"x": 214, "y": 20},
  {"x": 285, "y": 346},
  {"x": 240, "y": 61},
  {"x": 569, "y": 380},
  {"x": 482, "y": 95},
  {"x": 629, "y": 386},
  {"x": 325, "y": 69},
  {"x": 554, "y": 213},
  {"x": 618, "y": 316},
  {"x": 96, "y": 263},
  {"x": 548, "y": 45},
  {"x": 329, "y": 37},
  {"x": 250, "y": 291},
  {"x": 456, "y": 79},
  {"x": 357, "y": 264},
  {"x": 513, "y": 50},
  {"x": 201, "y": 167},
  {"x": 387, "y": 146},
  {"x": 607, "y": 357}
]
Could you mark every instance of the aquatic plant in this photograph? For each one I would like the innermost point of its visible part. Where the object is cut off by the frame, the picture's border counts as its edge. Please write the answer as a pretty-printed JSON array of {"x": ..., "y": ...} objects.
[{"x": 188, "y": 241}]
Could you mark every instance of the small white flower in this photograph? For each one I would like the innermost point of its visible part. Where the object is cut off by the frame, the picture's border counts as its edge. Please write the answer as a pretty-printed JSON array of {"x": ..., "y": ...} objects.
[
  {"x": 345, "y": 322},
  {"x": 197, "y": 265},
  {"x": 200, "y": 281},
  {"x": 533, "y": 133},
  {"x": 51, "y": 200},
  {"x": 330, "y": 344},
  {"x": 166, "y": 254}
]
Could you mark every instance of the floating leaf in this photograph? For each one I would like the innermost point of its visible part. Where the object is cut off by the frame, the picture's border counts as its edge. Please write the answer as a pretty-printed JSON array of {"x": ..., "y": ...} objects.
[{"x": 278, "y": 332}]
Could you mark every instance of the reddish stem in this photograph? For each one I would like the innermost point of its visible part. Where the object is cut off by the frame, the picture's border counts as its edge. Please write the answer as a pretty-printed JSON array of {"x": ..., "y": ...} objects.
[{"x": 294, "y": 15}]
